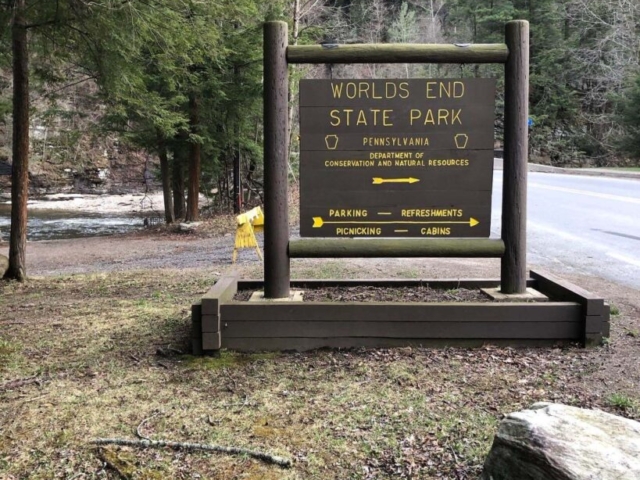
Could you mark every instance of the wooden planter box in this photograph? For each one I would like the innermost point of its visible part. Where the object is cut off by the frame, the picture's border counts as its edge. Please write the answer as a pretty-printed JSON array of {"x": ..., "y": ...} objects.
[{"x": 571, "y": 315}]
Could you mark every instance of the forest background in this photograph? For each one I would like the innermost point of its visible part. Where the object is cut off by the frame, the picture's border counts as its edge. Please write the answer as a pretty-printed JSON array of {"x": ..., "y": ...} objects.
[{"x": 178, "y": 83}]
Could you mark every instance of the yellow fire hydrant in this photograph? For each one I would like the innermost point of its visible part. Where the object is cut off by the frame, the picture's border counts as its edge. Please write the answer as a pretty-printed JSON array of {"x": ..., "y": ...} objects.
[{"x": 248, "y": 224}]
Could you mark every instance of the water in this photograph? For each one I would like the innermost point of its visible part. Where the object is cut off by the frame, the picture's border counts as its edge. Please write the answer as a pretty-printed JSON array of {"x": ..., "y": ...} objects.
[{"x": 58, "y": 224}]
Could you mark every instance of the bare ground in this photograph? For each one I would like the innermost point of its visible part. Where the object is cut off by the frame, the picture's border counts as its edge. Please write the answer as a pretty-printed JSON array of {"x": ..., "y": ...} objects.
[{"x": 97, "y": 342}]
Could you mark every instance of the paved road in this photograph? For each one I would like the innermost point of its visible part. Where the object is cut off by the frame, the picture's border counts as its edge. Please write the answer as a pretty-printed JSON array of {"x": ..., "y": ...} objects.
[{"x": 584, "y": 225}]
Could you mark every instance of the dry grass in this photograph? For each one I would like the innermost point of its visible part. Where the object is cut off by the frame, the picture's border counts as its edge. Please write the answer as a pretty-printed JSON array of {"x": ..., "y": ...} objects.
[{"x": 111, "y": 350}]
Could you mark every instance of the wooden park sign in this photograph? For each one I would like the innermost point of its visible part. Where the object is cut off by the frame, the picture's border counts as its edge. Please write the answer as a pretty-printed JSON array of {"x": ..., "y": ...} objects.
[
  {"x": 396, "y": 158},
  {"x": 278, "y": 55}
]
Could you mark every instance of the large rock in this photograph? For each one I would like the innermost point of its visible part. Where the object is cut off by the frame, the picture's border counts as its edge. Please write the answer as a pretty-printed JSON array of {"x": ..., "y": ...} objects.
[{"x": 557, "y": 442}]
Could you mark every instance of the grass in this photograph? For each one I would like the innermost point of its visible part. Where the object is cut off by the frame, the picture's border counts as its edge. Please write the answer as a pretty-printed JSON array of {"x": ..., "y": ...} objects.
[
  {"x": 629, "y": 169},
  {"x": 632, "y": 332},
  {"x": 112, "y": 350},
  {"x": 622, "y": 401},
  {"x": 409, "y": 273},
  {"x": 9, "y": 353},
  {"x": 326, "y": 269}
]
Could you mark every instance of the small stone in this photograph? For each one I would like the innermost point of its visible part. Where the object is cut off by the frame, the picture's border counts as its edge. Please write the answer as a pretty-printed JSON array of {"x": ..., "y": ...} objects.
[{"x": 190, "y": 226}]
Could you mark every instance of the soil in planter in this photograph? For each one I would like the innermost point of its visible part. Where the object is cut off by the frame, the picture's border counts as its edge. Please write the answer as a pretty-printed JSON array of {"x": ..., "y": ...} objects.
[{"x": 365, "y": 293}]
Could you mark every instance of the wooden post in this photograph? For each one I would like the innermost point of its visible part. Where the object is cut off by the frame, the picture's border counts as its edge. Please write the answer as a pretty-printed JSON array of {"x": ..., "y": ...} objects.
[
  {"x": 514, "y": 194},
  {"x": 276, "y": 148},
  {"x": 398, "y": 53},
  {"x": 395, "y": 248}
]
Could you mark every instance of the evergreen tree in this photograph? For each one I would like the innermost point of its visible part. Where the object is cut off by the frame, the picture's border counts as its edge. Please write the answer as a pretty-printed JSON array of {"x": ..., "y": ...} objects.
[
  {"x": 36, "y": 25},
  {"x": 630, "y": 118}
]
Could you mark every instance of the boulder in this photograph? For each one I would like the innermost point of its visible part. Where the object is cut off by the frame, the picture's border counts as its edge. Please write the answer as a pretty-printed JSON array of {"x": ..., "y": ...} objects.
[
  {"x": 4, "y": 265},
  {"x": 558, "y": 442}
]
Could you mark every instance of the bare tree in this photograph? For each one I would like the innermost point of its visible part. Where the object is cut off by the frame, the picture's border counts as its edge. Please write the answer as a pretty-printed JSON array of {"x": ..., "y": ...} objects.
[{"x": 606, "y": 55}]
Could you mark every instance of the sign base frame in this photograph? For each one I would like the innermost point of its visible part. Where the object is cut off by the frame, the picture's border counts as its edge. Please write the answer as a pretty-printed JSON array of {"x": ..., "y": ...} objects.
[{"x": 572, "y": 315}]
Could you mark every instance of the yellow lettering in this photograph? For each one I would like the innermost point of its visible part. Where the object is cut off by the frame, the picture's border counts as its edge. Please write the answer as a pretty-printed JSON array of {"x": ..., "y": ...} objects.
[
  {"x": 430, "y": 86},
  {"x": 455, "y": 116},
  {"x": 431, "y": 212},
  {"x": 414, "y": 114},
  {"x": 458, "y": 89},
  {"x": 373, "y": 93},
  {"x": 394, "y": 91},
  {"x": 445, "y": 89},
  {"x": 336, "y": 88},
  {"x": 355, "y": 231},
  {"x": 428, "y": 119},
  {"x": 362, "y": 119},
  {"x": 352, "y": 90},
  {"x": 443, "y": 116},
  {"x": 364, "y": 89},
  {"x": 349, "y": 163},
  {"x": 404, "y": 90},
  {"x": 436, "y": 231},
  {"x": 335, "y": 115},
  {"x": 348, "y": 112},
  {"x": 375, "y": 112},
  {"x": 386, "y": 121},
  {"x": 448, "y": 162},
  {"x": 347, "y": 213}
]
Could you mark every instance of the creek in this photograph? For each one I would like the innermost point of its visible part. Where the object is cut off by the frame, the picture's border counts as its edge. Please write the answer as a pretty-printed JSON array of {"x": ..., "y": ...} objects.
[{"x": 49, "y": 224}]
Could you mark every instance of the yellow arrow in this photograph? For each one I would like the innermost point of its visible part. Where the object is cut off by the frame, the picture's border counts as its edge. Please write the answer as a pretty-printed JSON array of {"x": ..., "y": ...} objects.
[
  {"x": 319, "y": 222},
  {"x": 379, "y": 181}
]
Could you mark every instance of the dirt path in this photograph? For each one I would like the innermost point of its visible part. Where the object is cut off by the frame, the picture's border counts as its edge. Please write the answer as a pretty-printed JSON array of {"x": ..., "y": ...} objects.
[
  {"x": 130, "y": 252},
  {"x": 161, "y": 249}
]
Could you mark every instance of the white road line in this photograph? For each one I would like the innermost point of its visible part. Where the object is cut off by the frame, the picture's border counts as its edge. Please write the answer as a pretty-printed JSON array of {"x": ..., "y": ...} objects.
[{"x": 606, "y": 196}]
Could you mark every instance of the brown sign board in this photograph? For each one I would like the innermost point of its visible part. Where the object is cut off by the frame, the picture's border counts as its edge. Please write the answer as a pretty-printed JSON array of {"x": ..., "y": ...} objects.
[
  {"x": 375, "y": 152},
  {"x": 399, "y": 212},
  {"x": 445, "y": 92},
  {"x": 370, "y": 171}
]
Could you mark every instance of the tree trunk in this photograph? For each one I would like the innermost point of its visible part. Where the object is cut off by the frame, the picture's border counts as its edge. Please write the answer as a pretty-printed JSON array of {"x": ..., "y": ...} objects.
[
  {"x": 177, "y": 179},
  {"x": 237, "y": 183},
  {"x": 292, "y": 82},
  {"x": 193, "y": 213},
  {"x": 20, "y": 175},
  {"x": 166, "y": 181},
  {"x": 178, "y": 188}
]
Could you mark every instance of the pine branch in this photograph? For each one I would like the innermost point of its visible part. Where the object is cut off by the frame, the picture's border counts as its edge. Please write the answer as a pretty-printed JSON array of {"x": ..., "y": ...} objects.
[{"x": 265, "y": 457}]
